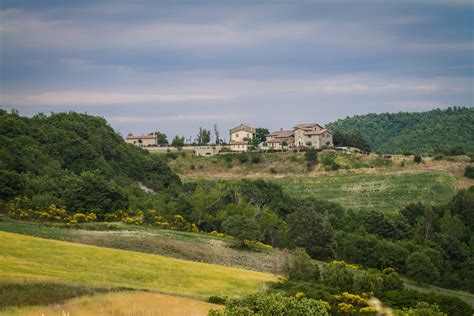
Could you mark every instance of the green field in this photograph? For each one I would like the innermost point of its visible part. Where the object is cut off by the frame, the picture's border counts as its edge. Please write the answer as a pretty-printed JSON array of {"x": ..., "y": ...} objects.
[
  {"x": 31, "y": 259},
  {"x": 386, "y": 192}
]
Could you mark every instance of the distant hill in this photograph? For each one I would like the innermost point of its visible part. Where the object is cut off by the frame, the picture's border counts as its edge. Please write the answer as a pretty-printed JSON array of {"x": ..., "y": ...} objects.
[
  {"x": 420, "y": 132},
  {"x": 74, "y": 160}
]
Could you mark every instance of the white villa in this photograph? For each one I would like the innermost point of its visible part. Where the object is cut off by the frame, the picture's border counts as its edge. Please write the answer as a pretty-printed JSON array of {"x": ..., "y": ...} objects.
[{"x": 240, "y": 137}]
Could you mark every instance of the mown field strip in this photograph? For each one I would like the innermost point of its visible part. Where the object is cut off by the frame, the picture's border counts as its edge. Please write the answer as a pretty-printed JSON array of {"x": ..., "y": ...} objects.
[
  {"x": 123, "y": 303},
  {"x": 30, "y": 258}
]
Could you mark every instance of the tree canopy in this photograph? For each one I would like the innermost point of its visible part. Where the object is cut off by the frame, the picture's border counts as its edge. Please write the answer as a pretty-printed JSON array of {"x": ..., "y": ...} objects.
[{"x": 420, "y": 132}]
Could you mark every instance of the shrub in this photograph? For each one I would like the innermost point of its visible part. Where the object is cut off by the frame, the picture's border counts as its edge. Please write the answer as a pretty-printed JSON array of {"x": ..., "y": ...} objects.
[
  {"x": 171, "y": 155},
  {"x": 299, "y": 267},
  {"x": 243, "y": 158},
  {"x": 311, "y": 157},
  {"x": 79, "y": 217},
  {"x": 417, "y": 159},
  {"x": 420, "y": 268},
  {"x": 294, "y": 158},
  {"x": 215, "y": 299},
  {"x": 193, "y": 167},
  {"x": 421, "y": 309},
  {"x": 256, "y": 159},
  {"x": 273, "y": 170},
  {"x": 271, "y": 304},
  {"x": 469, "y": 172},
  {"x": 338, "y": 277}
]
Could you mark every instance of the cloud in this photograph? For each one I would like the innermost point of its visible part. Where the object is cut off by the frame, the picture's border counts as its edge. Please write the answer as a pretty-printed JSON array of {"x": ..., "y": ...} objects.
[
  {"x": 175, "y": 118},
  {"x": 247, "y": 27},
  {"x": 62, "y": 98}
]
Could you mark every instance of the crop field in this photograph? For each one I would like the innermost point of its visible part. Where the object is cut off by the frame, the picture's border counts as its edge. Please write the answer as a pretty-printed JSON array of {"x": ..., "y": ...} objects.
[
  {"x": 200, "y": 247},
  {"x": 123, "y": 303},
  {"x": 386, "y": 192},
  {"x": 30, "y": 259}
]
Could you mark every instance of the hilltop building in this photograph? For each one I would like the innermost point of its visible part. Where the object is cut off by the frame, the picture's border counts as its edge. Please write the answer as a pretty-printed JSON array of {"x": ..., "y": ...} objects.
[
  {"x": 302, "y": 135},
  {"x": 142, "y": 140},
  {"x": 312, "y": 135},
  {"x": 240, "y": 137},
  {"x": 281, "y": 139}
]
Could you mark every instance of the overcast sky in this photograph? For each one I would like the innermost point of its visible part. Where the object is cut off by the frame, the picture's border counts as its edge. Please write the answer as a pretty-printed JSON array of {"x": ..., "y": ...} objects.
[{"x": 174, "y": 66}]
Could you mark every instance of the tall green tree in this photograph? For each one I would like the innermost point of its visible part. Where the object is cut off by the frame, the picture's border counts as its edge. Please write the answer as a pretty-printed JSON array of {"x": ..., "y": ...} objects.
[
  {"x": 420, "y": 268},
  {"x": 452, "y": 225},
  {"x": 312, "y": 231},
  {"x": 261, "y": 134},
  {"x": 162, "y": 139},
  {"x": 240, "y": 222},
  {"x": 178, "y": 142},
  {"x": 203, "y": 137}
]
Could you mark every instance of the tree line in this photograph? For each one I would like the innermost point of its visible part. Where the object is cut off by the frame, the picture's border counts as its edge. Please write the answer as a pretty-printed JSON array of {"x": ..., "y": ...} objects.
[{"x": 430, "y": 132}]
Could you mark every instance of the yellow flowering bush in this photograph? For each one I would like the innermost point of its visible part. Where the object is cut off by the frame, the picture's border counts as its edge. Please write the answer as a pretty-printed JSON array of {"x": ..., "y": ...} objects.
[
  {"x": 217, "y": 234},
  {"x": 91, "y": 217},
  {"x": 16, "y": 208},
  {"x": 53, "y": 213},
  {"x": 221, "y": 235},
  {"x": 349, "y": 303},
  {"x": 79, "y": 218},
  {"x": 326, "y": 305},
  {"x": 345, "y": 308},
  {"x": 347, "y": 265},
  {"x": 367, "y": 310},
  {"x": 257, "y": 243},
  {"x": 388, "y": 270},
  {"x": 128, "y": 220}
]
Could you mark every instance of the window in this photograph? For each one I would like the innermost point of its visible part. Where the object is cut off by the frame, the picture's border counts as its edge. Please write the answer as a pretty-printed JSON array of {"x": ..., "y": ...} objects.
[{"x": 237, "y": 135}]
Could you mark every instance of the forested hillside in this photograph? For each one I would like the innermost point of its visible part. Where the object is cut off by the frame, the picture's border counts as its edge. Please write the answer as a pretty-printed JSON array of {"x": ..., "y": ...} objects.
[
  {"x": 74, "y": 160},
  {"x": 422, "y": 132}
]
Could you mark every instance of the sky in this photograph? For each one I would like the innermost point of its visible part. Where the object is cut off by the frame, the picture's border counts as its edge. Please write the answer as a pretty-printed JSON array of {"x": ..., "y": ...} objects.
[{"x": 175, "y": 66}]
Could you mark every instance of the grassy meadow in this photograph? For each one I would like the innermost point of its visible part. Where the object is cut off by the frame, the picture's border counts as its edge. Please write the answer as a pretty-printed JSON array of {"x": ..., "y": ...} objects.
[
  {"x": 26, "y": 258},
  {"x": 387, "y": 192},
  {"x": 124, "y": 303},
  {"x": 199, "y": 247}
]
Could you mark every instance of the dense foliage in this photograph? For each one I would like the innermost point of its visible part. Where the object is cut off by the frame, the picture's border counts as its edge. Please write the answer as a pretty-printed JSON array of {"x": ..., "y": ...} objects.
[
  {"x": 425, "y": 132},
  {"x": 76, "y": 161},
  {"x": 271, "y": 304}
]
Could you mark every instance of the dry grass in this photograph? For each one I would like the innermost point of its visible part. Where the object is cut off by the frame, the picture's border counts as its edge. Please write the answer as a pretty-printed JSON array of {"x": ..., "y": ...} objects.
[
  {"x": 35, "y": 259},
  {"x": 124, "y": 303}
]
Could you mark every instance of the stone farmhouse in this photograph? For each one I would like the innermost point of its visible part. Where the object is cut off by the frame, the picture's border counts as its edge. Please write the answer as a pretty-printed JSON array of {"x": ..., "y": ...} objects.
[
  {"x": 240, "y": 137},
  {"x": 281, "y": 139},
  {"x": 142, "y": 140},
  {"x": 312, "y": 135},
  {"x": 302, "y": 135}
]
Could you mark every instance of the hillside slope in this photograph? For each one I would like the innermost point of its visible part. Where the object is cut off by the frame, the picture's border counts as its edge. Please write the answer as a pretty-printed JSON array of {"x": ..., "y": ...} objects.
[
  {"x": 74, "y": 160},
  {"x": 34, "y": 259},
  {"x": 420, "y": 132}
]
